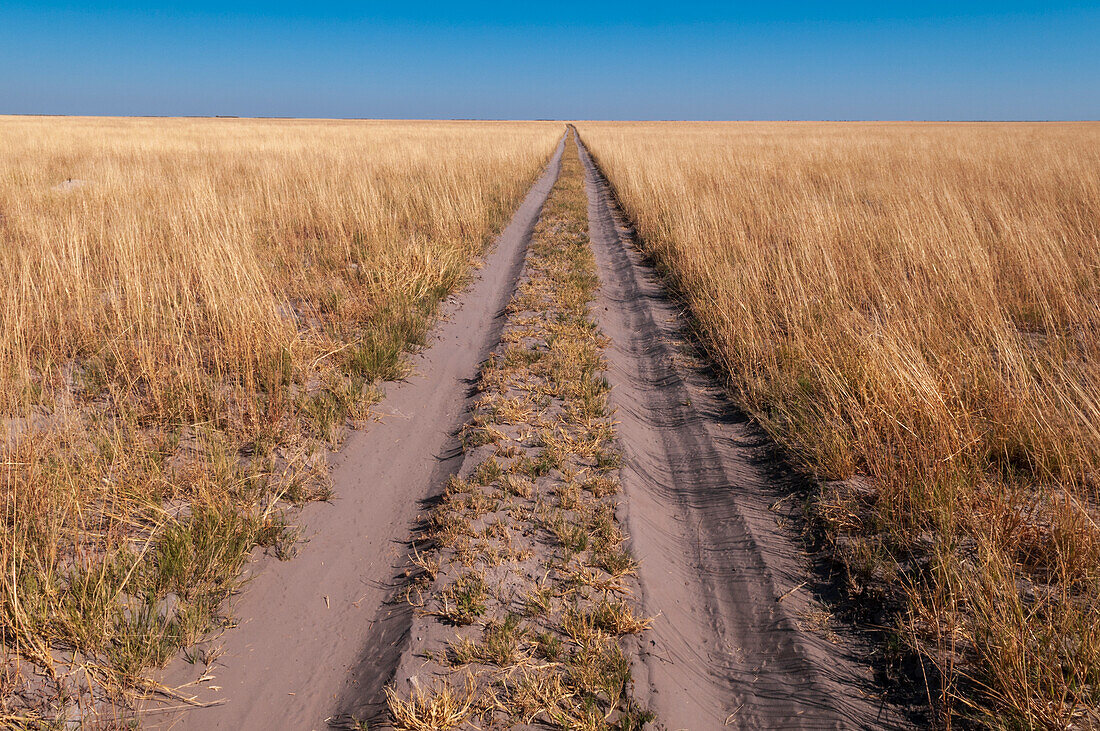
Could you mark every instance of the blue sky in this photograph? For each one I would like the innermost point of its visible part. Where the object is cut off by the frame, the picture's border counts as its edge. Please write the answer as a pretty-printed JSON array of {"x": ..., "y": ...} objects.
[{"x": 615, "y": 60}]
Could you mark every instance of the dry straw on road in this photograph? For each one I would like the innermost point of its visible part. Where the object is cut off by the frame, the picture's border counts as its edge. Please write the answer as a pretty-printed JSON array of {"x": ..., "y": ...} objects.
[
  {"x": 190, "y": 310},
  {"x": 917, "y": 305}
]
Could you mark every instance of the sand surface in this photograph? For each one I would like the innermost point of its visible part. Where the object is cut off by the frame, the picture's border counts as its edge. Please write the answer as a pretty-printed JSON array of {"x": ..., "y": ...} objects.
[
  {"x": 728, "y": 584},
  {"x": 316, "y": 630}
]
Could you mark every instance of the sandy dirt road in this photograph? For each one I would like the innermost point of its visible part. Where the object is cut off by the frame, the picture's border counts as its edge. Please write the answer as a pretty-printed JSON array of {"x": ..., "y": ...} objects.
[
  {"x": 725, "y": 581},
  {"x": 724, "y": 576},
  {"x": 315, "y": 633}
]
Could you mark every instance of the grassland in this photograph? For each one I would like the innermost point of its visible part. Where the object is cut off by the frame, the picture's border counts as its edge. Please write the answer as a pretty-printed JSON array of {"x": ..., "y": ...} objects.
[
  {"x": 913, "y": 311},
  {"x": 191, "y": 310}
]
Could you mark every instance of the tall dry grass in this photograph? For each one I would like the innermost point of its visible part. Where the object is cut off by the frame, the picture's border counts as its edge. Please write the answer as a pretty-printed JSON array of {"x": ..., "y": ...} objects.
[
  {"x": 189, "y": 312},
  {"x": 913, "y": 310}
]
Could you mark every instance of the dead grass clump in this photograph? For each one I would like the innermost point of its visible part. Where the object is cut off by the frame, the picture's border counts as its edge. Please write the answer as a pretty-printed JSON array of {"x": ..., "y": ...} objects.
[{"x": 433, "y": 709}]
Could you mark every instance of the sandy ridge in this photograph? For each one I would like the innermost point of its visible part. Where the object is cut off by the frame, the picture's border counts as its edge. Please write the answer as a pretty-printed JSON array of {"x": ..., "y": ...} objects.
[{"x": 524, "y": 615}]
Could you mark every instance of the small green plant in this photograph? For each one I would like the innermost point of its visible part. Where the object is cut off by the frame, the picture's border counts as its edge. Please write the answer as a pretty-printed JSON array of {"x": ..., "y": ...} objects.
[{"x": 464, "y": 600}]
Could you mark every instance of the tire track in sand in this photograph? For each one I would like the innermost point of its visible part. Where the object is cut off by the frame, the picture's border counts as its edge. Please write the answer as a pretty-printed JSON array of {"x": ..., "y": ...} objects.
[
  {"x": 318, "y": 627},
  {"x": 726, "y": 582}
]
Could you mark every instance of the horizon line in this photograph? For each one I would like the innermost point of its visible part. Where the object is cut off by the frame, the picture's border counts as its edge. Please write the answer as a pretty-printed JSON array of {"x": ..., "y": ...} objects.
[{"x": 838, "y": 120}]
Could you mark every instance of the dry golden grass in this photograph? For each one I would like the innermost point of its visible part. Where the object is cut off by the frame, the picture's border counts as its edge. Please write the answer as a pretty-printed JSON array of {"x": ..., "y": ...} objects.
[
  {"x": 190, "y": 310},
  {"x": 917, "y": 304}
]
